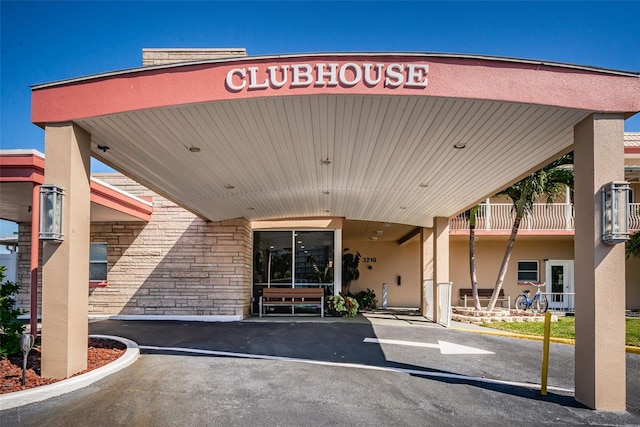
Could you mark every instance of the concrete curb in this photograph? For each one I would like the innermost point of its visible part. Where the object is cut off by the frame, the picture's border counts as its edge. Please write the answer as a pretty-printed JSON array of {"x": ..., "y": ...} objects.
[
  {"x": 37, "y": 394},
  {"x": 628, "y": 348}
]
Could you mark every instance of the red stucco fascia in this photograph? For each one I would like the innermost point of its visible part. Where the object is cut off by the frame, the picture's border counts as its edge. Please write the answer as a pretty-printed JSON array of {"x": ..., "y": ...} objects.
[
  {"x": 117, "y": 201},
  {"x": 22, "y": 168},
  {"x": 30, "y": 168},
  {"x": 448, "y": 76}
]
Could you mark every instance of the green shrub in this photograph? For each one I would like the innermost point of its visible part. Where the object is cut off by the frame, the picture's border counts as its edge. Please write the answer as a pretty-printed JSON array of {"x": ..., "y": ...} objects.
[
  {"x": 10, "y": 327},
  {"x": 367, "y": 299},
  {"x": 345, "y": 306}
]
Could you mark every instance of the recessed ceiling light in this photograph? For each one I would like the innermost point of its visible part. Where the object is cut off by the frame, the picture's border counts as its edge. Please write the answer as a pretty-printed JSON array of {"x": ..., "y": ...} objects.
[
  {"x": 326, "y": 192},
  {"x": 379, "y": 232},
  {"x": 459, "y": 145},
  {"x": 251, "y": 209},
  {"x": 194, "y": 149},
  {"x": 424, "y": 185},
  {"x": 374, "y": 238},
  {"x": 327, "y": 210},
  {"x": 403, "y": 207},
  {"x": 325, "y": 161},
  {"x": 229, "y": 187},
  {"x": 387, "y": 224}
]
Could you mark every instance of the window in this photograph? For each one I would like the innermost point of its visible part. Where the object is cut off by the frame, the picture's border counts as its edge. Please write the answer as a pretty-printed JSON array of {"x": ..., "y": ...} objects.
[
  {"x": 98, "y": 262},
  {"x": 527, "y": 271}
]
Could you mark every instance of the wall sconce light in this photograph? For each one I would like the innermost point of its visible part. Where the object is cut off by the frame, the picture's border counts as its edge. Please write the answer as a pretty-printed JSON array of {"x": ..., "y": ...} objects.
[
  {"x": 51, "y": 206},
  {"x": 615, "y": 212}
]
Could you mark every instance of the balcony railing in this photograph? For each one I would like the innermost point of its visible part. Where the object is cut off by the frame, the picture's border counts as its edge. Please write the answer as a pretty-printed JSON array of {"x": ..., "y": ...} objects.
[
  {"x": 634, "y": 216},
  {"x": 544, "y": 217}
]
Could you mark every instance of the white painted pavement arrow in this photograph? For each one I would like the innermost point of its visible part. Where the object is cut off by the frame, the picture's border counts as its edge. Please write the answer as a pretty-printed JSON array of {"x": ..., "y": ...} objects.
[{"x": 444, "y": 346}]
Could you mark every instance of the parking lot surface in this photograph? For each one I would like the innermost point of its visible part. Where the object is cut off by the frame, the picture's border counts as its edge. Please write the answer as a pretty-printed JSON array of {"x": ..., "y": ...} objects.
[{"x": 285, "y": 372}]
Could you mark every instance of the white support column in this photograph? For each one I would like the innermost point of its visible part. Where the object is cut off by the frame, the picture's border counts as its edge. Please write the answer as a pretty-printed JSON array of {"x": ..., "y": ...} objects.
[
  {"x": 337, "y": 261},
  {"x": 599, "y": 268},
  {"x": 440, "y": 258},
  {"x": 65, "y": 269},
  {"x": 426, "y": 266}
]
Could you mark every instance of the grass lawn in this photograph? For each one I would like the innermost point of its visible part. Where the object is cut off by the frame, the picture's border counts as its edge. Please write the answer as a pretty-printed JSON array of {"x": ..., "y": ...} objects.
[{"x": 563, "y": 328}]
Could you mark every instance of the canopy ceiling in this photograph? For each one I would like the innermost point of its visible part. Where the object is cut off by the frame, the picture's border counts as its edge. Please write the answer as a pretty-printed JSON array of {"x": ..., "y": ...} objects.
[{"x": 365, "y": 153}]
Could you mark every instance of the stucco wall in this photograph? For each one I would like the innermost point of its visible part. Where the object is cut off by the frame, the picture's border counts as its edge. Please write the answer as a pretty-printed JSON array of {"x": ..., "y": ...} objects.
[
  {"x": 391, "y": 261},
  {"x": 489, "y": 254}
]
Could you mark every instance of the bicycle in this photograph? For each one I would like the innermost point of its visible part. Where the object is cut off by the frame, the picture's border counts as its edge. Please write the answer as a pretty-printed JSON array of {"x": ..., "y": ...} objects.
[{"x": 538, "y": 303}]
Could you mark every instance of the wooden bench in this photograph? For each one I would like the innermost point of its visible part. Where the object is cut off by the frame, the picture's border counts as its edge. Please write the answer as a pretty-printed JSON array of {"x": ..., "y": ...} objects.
[
  {"x": 484, "y": 294},
  {"x": 272, "y": 297}
]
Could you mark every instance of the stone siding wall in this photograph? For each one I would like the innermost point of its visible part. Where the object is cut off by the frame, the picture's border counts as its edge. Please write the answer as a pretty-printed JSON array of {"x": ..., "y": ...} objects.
[
  {"x": 24, "y": 268},
  {"x": 177, "y": 264},
  {"x": 152, "y": 57}
]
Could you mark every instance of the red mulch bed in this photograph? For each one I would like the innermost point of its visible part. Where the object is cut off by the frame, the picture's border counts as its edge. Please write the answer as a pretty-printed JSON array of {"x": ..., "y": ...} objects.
[{"x": 100, "y": 352}]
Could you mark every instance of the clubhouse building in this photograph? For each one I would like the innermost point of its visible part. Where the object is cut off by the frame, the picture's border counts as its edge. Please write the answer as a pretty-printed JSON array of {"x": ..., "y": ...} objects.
[{"x": 238, "y": 173}]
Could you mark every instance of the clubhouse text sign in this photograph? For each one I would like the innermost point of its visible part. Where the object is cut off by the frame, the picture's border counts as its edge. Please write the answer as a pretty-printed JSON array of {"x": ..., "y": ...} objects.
[{"x": 327, "y": 75}]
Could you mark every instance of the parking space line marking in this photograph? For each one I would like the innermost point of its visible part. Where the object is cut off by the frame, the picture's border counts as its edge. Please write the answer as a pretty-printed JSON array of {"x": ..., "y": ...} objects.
[{"x": 417, "y": 372}]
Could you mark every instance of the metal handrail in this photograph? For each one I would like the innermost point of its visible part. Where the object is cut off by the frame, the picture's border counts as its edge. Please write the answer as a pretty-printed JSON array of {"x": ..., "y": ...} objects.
[{"x": 570, "y": 299}]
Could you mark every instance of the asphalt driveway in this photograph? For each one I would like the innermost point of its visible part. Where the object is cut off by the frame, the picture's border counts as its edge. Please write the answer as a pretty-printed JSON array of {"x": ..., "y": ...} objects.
[{"x": 307, "y": 373}]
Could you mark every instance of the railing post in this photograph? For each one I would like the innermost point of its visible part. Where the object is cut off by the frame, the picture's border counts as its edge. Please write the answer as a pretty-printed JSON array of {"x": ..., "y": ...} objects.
[
  {"x": 568, "y": 216},
  {"x": 487, "y": 209}
]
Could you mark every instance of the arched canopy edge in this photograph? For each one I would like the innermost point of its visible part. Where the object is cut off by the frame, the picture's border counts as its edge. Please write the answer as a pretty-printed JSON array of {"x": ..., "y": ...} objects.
[
  {"x": 457, "y": 77},
  {"x": 434, "y": 55}
]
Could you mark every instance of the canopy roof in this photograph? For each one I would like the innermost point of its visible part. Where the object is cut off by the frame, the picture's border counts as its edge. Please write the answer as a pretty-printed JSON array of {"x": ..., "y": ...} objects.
[
  {"x": 399, "y": 138},
  {"x": 20, "y": 170}
]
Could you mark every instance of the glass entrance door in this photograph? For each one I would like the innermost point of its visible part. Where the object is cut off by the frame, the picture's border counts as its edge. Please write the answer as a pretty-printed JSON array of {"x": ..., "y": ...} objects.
[
  {"x": 272, "y": 262},
  {"x": 292, "y": 259},
  {"x": 560, "y": 285}
]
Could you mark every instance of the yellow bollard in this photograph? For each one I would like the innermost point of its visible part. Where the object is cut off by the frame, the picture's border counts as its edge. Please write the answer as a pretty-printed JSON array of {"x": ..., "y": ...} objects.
[{"x": 545, "y": 353}]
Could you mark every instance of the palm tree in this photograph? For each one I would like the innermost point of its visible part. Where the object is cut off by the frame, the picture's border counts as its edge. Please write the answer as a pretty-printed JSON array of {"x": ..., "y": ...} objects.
[
  {"x": 549, "y": 182},
  {"x": 472, "y": 215},
  {"x": 633, "y": 246}
]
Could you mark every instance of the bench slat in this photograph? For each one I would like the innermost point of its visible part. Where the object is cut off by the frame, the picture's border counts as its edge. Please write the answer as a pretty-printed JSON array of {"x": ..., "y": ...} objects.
[
  {"x": 292, "y": 297},
  {"x": 292, "y": 292}
]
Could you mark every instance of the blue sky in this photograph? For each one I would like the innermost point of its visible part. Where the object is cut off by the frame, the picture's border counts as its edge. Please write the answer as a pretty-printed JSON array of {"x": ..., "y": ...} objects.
[{"x": 50, "y": 40}]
